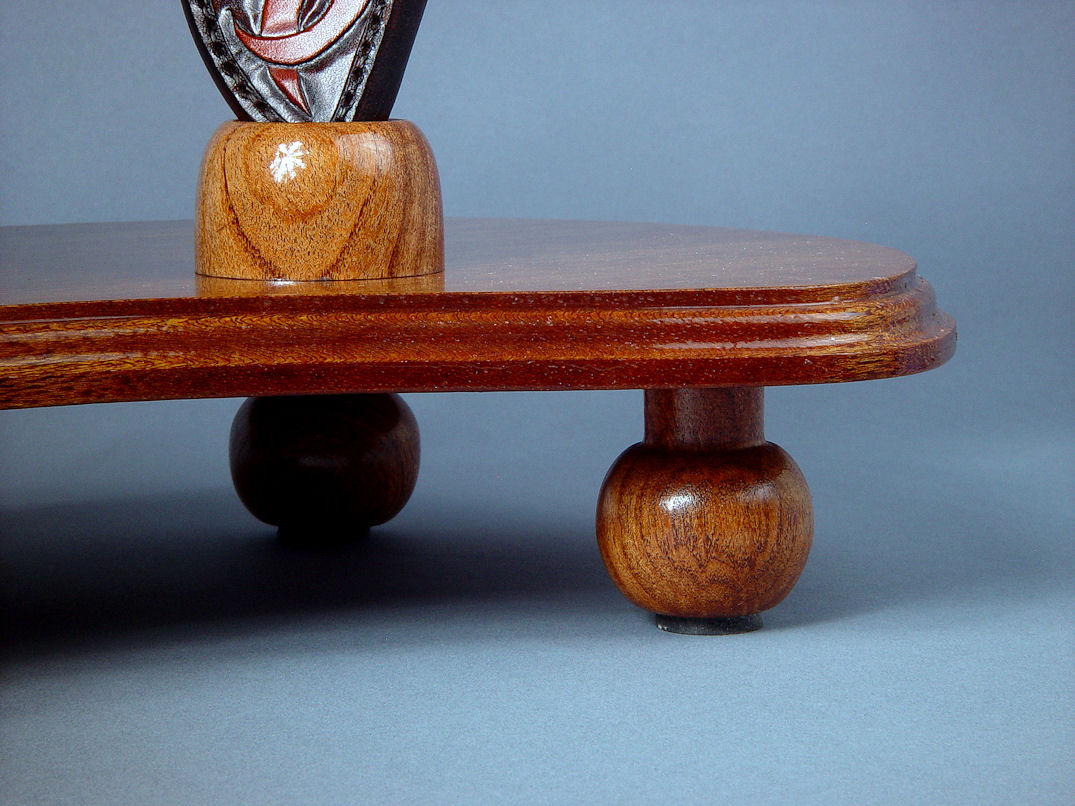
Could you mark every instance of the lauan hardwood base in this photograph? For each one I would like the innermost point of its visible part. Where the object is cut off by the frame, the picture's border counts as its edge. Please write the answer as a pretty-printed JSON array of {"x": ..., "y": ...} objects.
[{"x": 703, "y": 523}]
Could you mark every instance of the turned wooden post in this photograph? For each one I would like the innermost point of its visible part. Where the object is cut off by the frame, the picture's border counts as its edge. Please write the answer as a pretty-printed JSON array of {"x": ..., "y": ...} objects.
[
  {"x": 705, "y": 523},
  {"x": 705, "y": 419}
]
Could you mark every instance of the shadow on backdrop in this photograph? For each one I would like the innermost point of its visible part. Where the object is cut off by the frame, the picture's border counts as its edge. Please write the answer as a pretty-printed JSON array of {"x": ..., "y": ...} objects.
[{"x": 79, "y": 576}]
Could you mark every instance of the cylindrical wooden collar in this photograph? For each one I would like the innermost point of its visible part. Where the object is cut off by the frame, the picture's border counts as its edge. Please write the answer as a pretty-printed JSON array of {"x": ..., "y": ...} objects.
[
  {"x": 319, "y": 201},
  {"x": 705, "y": 419}
]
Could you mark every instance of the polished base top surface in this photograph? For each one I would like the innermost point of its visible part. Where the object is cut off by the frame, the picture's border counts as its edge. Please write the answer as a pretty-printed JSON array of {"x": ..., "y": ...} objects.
[
  {"x": 107, "y": 312},
  {"x": 155, "y": 260}
]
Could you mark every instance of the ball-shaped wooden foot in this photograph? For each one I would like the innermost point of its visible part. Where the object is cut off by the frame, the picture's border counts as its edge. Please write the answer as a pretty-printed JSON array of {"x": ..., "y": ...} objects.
[
  {"x": 705, "y": 535},
  {"x": 705, "y": 523},
  {"x": 324, "y": 468}
]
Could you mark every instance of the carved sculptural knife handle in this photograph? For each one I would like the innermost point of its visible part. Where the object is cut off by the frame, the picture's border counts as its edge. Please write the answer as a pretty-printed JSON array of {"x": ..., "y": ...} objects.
[{"x": 306, "y": 60}]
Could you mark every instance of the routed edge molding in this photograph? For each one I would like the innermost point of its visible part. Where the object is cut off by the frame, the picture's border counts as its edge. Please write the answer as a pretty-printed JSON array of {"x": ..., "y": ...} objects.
[{"x": 61, "y": 353}]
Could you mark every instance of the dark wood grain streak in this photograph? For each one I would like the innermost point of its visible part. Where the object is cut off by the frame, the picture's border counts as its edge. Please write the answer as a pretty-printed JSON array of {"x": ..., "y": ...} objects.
[{"x": 554, "y": 317}]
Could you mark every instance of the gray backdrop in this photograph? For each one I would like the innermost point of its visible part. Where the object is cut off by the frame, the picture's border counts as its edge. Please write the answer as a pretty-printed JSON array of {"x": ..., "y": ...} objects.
[{"x": 160, "y": 647}]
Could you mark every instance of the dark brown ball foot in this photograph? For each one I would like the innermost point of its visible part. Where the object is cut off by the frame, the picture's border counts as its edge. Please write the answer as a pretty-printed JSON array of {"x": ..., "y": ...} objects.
[{"x": 324, "y": 468}]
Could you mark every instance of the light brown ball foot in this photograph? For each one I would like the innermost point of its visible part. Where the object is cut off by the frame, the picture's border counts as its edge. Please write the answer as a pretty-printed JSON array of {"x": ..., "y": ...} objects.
[
  {"x": 705, "y": 520},
  {"x": 324, "y": 468}
]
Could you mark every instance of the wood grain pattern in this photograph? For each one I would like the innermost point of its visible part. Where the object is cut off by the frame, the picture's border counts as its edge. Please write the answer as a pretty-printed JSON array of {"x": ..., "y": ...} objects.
[
  {"x": 704, "y": 519},
  {"x": 326, "y": 467},
  {"x": 527, "y": 305},
  {"x": 319, "y": 201},
  {"x": 705, "y": 419}
]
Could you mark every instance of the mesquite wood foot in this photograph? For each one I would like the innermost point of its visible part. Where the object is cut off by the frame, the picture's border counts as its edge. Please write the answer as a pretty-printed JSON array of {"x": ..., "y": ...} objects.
[{"x": 705, "y": 523}]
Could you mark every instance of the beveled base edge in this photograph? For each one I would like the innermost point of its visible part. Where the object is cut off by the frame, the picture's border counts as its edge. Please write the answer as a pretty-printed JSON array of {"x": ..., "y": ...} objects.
[{"x": 732, "y": 625}]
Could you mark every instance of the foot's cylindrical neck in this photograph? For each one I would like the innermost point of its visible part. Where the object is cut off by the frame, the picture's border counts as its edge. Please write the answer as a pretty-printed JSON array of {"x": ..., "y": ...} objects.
[{"x": 705, "y": 419}]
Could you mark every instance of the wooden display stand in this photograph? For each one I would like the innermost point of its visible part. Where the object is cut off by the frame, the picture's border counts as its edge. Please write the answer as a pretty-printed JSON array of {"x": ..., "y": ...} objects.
[
  {"x": 321, "y": 291},
  {"x": 703, "y": 523}
]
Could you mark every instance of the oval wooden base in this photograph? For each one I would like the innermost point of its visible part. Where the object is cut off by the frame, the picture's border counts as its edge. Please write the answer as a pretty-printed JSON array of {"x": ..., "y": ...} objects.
[
  {"x": 319, "y": 201},
  {"x": 324, "y": 468},
  {"x": 705, "y": 520},
  {"x": 103, "y": 313}
]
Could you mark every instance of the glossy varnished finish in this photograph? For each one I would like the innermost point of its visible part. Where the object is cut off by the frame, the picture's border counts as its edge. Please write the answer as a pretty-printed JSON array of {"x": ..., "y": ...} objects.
[
  {"x": 110, "y": 312},
  {"x": 319, "y": 201},
  {"x": 326, "y": 467},
  {"x": 704, "y": 519}
]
